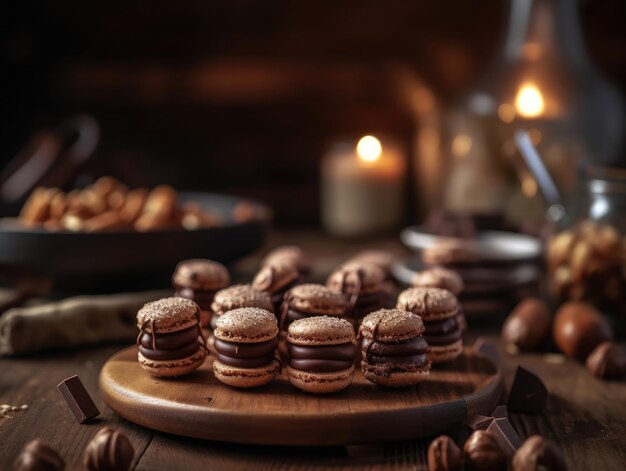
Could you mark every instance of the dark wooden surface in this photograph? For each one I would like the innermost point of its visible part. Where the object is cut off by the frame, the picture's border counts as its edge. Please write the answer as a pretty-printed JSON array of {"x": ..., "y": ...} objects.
[{"x": 585, "y": 416}]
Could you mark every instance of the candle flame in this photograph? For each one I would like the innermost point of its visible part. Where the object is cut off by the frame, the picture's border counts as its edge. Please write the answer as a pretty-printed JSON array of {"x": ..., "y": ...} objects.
[
  {"x": 529, "y": 101},
  {"x": 369, "y": 149}
]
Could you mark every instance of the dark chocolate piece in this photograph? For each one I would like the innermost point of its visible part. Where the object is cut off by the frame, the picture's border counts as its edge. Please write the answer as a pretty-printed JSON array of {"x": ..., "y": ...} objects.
[
  {"x": 500, "y": 412},
  {"x": 505, "y": 434},
  {"x": 171, "y": 341},
  {"x": 528, "y": 393},
  {"x": 246, "y": 362},
  {"x": 77, "y": 399},
  {"x": 38, "y": 456},
  {"x": 320, "y": 365},
  {"x": 478, "y": 422},
  {"x": 344, "y": 351},
  {"x": 161, "y": 355},
  {"x": 246, "y": 350},
  {"x": 109, "y": 450}
]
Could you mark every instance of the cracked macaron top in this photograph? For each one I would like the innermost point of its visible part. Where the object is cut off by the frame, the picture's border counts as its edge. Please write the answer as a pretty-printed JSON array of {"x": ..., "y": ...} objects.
[
  {"x": 168, "y": 315},
  {"x": 357, "y": 277},
  {"x": 429, "y": 303},
  {"x": 317, "y": 299},
  {"x": 321, "y": 330},
  {"x": 275, "y": 276},
  {"x": 246, "y": 325},
  {"x": 238, "y": 296},
  {"x": 391, "y": 325},
  {"x": 200, "y": 274}
]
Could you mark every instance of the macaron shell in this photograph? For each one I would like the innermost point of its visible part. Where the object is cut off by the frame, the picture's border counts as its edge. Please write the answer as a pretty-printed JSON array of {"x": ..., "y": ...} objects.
[
  {"x": 245, "y": 377},
  {"x": 238, "y": 296},
  {"x": 201, "y": 274},
  {"x": 445, "y": 353},
  {"x": 400, "y": 379},
  {"x": 391, "y": 325},
  {"x": 172, "y": 368},
  {"x": 273, "y": 277},
  {"x": 347, "y": 276},
  {"x": 168, "y": 315},
  {"x": 429, "y": 303},
  {"x": 320, "y": 383},
  {"x": 321, "y": 330},
  {"x": 439, "y": 278},
  {"x": 317, "y": 300},
  {"x": 246, "y": 325}
]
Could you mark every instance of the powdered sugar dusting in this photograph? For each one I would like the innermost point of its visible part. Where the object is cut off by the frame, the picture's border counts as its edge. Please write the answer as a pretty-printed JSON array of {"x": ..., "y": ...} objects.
[{"x": 167, "y": 311}]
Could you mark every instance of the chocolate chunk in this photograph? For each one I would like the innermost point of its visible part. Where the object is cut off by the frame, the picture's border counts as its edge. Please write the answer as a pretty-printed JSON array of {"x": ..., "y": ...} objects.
[
  {"x": 478, "y": 422},
  {"x": 528, "y": 393},
  {"x": 77, "y": 399},
  {"x": 109, "y": 450},
  {"x": 505, "y": 434},
  {"x": 500, "y": 412},
  {"x": 444, "y": 455},
  {"x": 38, "y": 456}
]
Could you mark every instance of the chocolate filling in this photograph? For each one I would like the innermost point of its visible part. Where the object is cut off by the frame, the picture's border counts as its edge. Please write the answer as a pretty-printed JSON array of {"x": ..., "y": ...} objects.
[
  {"x": 320, "y": 366},
  {"x": 201, "y": 298},
  {"x": 441, "y": 327},
  {"x": 171, "y": 341},
  {"x": 415, "y": 346},
  {"x": 246, "y": 350},
  {"x": 411, "y": 359},
  {"x": 174, "y": 354},
  {"x": 246, "y": 362},
  {"x": 443, "y": 339},
  {"x": 344, "y": 351}
]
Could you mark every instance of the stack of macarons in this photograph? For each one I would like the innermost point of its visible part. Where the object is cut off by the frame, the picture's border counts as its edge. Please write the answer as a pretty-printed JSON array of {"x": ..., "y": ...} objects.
[
  {"x": 364, "y": 284},
  {"x": 439, "y": 309},
  {"x": 199, "y": 280},
  {"x": 245, "y": 345},
  {"x": 170, "y": 340},
  {"x": 309, "y": 300},
  {"x": 322, "y": 350},
  {"x": 394, "y": 351}
]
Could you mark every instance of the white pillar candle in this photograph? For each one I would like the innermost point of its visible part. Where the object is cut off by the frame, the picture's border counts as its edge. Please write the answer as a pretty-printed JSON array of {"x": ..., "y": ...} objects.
[{"x": 363, "y": 187}]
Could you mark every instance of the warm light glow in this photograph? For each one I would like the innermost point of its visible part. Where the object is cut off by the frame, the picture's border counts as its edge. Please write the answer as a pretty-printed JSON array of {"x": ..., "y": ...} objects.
[
  {"x": 529, "y": 101},
  {"x": 369, "y": 149},
  {"x": 506, "y": 113},
  {"x": 461, "y": 145}
]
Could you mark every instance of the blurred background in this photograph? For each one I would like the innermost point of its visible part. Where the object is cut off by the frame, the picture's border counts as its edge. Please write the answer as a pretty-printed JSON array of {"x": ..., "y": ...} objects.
[{"x": 247, "y": 97}]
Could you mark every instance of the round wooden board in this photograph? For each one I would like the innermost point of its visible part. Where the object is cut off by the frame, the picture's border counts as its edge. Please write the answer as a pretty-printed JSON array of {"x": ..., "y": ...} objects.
[{"x": 199, "y": 406}]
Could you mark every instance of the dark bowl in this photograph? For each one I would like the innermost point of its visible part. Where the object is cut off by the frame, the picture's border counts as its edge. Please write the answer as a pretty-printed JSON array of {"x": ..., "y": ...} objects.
[{"x": 105, "y": 261}]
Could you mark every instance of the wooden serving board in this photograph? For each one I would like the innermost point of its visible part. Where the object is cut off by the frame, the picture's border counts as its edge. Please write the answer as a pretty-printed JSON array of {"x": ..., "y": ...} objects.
[{"x": 199, "y": 406}]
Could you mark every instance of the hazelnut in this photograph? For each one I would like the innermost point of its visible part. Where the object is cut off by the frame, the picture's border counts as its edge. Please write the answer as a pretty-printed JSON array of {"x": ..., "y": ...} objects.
[
  {"x": 484, "y": 453},
  {"x": 607, "y": 361},
  {"x": 109, "y": 450},
  {"x": 538, "y": 454},
  {"x": 579, "y": 328},
  {"x": 37, "y": 455},
  {"x": 528, "y": 326},
  {"x": 444, "y": 455}
]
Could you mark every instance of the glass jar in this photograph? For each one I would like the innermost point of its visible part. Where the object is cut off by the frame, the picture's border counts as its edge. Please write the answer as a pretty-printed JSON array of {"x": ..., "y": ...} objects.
[{"x": 603, "y": 198}]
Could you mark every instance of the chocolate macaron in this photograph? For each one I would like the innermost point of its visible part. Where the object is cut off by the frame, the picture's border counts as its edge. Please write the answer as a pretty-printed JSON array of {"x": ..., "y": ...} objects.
[
  {"x": 381, "y": 258},
  {"x": 393, "y": 349},
  {"x": 245, "y": 342},
  {"x": 308, "y": 300},
  {"x": 439, "y": 277},
  {"x": 439, "y": 309},
  {"x": 322, "y": 350},
  {"x": 238, "y": 296},
  {"x": 199, "y": 280},
  {"x": 276, "y": 279},
  {"x": 170, "y": 340},
  {"x": 290, "y": 255},
  {"x": 364, "y": 284}
]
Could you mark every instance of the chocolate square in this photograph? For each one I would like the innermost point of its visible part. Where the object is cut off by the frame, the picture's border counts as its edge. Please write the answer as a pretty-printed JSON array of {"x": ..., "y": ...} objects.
[
  {"x": 528, "y": 393},
  {"x": 78, "y": 399}
]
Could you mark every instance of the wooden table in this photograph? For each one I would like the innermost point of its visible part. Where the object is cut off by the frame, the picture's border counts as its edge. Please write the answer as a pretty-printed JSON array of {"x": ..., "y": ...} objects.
[{"x": 585, "y": 416}]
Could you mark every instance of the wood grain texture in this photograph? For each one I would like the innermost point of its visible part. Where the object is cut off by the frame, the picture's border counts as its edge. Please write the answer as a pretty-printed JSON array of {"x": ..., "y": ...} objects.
[{"x": 199, "y": 406}]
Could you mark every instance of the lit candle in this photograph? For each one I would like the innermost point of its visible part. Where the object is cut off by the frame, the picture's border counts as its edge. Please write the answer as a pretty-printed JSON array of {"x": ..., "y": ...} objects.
[{"x": 363, "y": 187}]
